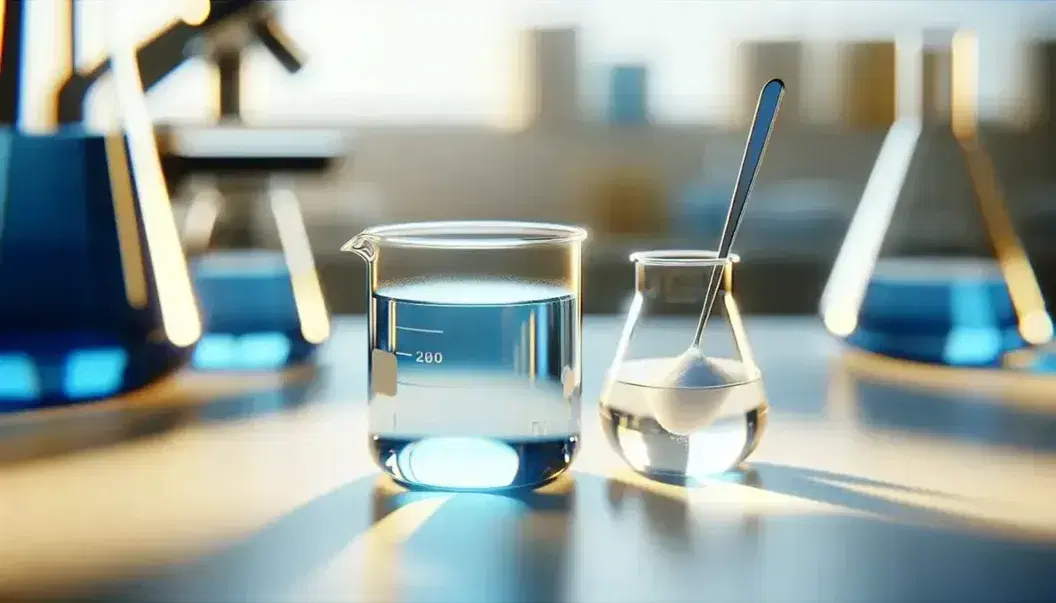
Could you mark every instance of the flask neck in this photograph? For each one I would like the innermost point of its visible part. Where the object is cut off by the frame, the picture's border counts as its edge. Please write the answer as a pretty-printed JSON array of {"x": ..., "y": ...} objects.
[
  {"x": 681, "y": 284},
  {"x": 938, "y": 80}
]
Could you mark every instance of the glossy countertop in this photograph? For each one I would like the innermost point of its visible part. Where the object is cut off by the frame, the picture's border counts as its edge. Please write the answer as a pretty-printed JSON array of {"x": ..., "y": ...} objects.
[{"x": 876, "y": 481}]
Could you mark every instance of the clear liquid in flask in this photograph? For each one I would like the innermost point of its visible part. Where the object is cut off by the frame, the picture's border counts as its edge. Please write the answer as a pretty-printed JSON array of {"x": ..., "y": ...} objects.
[
  {"x": 677, "y": 432},
  {"x": 474, "y": 383}
]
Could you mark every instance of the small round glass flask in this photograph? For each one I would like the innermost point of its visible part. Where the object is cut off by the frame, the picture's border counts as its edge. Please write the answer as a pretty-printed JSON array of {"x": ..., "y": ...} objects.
[{"x": 662, "y": 426}]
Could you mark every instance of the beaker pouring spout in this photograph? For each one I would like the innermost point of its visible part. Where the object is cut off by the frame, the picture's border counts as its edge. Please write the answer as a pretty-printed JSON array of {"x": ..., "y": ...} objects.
[{"x": 361, "y": 245}]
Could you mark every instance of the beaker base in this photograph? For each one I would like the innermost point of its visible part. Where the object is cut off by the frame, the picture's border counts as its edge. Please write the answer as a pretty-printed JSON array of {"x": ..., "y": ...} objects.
[
  {"x": 473, "y": 464},
  {"x": 658, "y": 454}
]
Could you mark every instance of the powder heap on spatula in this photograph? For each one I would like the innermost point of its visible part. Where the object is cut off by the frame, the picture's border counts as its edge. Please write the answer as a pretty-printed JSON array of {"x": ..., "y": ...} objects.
[
  {"x": 694, "y": 369},
  {"x": 691, "y": 394}
]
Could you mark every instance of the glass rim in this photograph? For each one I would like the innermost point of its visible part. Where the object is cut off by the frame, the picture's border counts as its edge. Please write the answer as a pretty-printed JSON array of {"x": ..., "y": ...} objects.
[
  {"x": 474, "y": 234},
  {"x": 682, "y": 257}
]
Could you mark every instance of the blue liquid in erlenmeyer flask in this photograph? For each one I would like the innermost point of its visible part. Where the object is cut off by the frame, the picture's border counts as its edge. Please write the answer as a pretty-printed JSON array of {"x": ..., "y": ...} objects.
[
  {"x": 84, "y": 310},
  {"x": 949, "y": 312},
  {"x": 250, "y": 312}
]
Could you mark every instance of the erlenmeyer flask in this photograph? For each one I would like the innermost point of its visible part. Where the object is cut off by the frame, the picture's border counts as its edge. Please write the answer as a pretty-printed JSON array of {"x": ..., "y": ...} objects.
[
  {"x": 262, "y": 303},
  {"x": 95, "y": 298},
  {"x": 675, "y": 433},
  {"x": 931, "y": 269}
]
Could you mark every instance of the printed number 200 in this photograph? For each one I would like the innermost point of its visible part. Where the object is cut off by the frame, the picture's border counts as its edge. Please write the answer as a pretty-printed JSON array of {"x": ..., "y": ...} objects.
[{"x": 429, "y": 357}]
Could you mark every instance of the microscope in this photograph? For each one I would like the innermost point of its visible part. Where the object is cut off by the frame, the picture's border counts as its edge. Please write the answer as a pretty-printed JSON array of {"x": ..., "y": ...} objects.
[{"x": 242, "y": 226}]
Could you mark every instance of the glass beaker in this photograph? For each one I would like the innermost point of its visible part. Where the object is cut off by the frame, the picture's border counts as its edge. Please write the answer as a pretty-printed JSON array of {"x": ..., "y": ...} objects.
[
  {"x": 473, "y": 351},
  {"x": 95, "y": 297},
  {"x": 674, "y": 433}
]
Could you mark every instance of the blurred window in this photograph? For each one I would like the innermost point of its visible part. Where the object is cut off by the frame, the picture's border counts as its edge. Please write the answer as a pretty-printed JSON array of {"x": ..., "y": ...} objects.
[{"x": 451, "y": 61}]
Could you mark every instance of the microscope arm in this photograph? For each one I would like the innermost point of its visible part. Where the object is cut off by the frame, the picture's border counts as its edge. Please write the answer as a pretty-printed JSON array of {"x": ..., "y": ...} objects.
[
  {"x": 157, "y": 58},
  {"x": 168, "y": 49},
  {"x": 259, "y": 16},
  {"x": 285, "y": 50}
]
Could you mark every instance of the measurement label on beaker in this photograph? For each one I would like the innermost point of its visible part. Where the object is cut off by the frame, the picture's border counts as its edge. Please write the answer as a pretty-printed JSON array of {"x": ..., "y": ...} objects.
[
  {"x": 503, "y": 331},
  {"x": 422, "y": 356},
  {"x": 472, "y": 362}
]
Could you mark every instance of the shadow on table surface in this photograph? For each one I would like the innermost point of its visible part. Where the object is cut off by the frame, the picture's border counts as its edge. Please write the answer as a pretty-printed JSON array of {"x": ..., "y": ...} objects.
[
  {"x": 964, "y": 416},
  {"x": 846, "y": 491},
  {"x": 519, "y": 534},
  {"x": 52, "y": 432},
  {"x": 1006, "y": 409},
  {"x": 589, "y": 538}
]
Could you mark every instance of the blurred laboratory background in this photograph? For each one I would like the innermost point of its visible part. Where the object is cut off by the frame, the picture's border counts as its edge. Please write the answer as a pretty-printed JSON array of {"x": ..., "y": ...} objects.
[{"x": 625, "y": 116}]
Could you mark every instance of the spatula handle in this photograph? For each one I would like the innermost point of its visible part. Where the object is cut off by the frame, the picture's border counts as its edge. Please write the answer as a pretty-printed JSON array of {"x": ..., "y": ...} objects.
[{"x": 762, "y": 124}]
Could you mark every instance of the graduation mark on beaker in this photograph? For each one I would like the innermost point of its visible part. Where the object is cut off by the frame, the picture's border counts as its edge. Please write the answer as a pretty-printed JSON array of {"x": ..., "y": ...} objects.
[
  {"x": 417, "y": 330},
  {"x": 422, "y": 356}
]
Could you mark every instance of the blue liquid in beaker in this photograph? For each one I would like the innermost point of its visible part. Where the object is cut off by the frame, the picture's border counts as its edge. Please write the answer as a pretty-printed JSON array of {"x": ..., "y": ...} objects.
[
  {"x": 953, "y": 312},
  {"x": 81, "y": 316},
  {"x": 249, "y": 312},
  {"x": 486, "y": 387}
]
